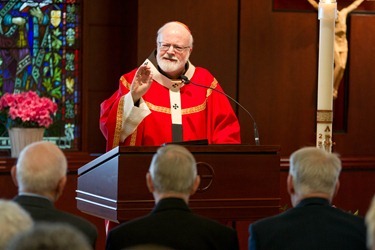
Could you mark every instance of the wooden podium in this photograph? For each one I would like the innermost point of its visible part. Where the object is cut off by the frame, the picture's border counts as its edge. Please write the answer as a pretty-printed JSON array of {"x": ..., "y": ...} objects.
[{"x": 238, "y": 182}]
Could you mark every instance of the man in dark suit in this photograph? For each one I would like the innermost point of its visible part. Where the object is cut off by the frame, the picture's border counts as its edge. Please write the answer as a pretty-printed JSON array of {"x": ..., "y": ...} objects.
[
  {"x": 313, "y": 223},
  {"x": 172, "y": 178},
  {"x": 40, "y": 175},
  {"x": 370, "y": 223}
]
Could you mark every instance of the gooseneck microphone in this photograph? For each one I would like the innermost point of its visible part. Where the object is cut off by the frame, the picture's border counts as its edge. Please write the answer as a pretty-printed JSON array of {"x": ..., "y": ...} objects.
[{"x": 186, "y": 81}]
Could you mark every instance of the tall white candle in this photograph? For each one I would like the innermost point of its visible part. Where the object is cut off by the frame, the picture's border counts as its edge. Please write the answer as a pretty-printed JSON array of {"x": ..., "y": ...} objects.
[{"x": 327, "y": 13}]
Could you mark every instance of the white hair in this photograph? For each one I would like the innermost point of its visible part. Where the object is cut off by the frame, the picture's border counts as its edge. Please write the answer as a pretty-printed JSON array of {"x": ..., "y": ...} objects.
[
  {"x": 13, "y": 221},
  {"x": 175, "y": 23},
  {"x": 314, "y": 170},
  {"x": 50, "y": 236},
  {"x": 173, "y": 169}
]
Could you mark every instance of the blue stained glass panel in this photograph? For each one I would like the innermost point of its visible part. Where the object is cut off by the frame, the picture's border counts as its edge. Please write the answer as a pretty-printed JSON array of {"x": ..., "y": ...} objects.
[{"x": 40, "y": 51}]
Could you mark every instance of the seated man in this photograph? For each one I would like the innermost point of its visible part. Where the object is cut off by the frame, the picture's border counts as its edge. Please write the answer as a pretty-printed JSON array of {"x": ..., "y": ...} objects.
[
  {"x": 14, "y": 220},
  {"x": 40, "y": 174},
  {"x": 370, "y": 223},
  {"x": 172, "y": 178},
  {"x": 50, "y": 236},
  {"x": 313, "y": 223}
]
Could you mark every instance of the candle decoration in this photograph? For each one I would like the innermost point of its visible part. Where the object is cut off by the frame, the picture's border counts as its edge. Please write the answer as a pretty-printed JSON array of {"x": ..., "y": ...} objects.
[{"x": 327, "y": 14}]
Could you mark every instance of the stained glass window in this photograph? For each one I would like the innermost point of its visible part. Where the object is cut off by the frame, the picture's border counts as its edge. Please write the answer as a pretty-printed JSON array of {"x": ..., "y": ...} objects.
[{"x": 40, "y": 51}]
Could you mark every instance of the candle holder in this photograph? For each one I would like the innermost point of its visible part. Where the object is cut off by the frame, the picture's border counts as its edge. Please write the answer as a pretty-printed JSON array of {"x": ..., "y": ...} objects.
[{"x": 327, "y": 14}]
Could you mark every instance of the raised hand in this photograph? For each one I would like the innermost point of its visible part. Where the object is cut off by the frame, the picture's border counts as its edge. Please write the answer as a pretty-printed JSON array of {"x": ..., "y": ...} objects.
[{"x": 141, "y": 82}]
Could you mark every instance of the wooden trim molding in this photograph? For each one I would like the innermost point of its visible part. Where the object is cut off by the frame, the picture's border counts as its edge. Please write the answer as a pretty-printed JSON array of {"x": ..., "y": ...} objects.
[{"x": 348, "y": 164}]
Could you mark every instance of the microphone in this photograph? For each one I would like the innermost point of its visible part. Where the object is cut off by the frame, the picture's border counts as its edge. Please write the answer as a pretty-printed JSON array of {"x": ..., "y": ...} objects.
[{"x": 186, "y": 81}]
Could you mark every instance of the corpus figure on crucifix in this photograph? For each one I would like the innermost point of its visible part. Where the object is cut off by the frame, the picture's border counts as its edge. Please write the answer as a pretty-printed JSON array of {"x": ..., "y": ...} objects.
[{"x": 341, "y": 43}]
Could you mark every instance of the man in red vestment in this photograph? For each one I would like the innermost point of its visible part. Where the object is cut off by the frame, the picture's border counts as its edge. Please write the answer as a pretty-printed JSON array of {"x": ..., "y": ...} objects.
[{"x": 153, "y": 106}]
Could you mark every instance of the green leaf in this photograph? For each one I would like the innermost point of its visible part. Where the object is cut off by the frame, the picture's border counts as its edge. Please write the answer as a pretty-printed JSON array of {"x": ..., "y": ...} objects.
[
  {"x": 47, "y": 56},
  {"x": 56, "y": 92},
  {"x": 56, "y": 59},
  {"x": 47, "y": 83},
  {"x": 56, "y": 32},
  {"x": 57, "y": 75}
]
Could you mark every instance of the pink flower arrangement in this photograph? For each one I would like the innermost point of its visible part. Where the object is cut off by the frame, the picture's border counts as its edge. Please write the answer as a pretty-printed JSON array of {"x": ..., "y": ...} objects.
[{"x": 28, "y": 110}]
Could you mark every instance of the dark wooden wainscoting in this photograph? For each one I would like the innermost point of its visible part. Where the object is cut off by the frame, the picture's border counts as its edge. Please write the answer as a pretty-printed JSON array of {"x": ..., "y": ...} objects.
[{"x": 355, "y": 193}]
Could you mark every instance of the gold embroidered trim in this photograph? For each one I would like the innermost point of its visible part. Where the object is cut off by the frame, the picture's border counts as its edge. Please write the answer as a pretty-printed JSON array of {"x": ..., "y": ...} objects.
[
  {"x": 195, "y": 109},
  {"x": 160, "y": 109},
  {"x": 213, "y": 86},
  {"x": 186, "y": 111},
  {"x": 120, "y": 111},
  {"x": 133, "y": 138},
  {"x": 324, "y": 116},
  {"x": 125, "y": 82}
]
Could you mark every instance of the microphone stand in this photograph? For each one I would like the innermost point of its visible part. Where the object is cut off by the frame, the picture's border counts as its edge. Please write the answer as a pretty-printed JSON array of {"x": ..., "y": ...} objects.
[{"x": 186, "y": 81}]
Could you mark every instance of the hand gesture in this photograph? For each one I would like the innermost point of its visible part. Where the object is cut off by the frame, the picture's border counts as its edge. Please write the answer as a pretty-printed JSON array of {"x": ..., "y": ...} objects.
[
  {"x": 37, "y": 12},
  {"x": 141, "y": 82}
]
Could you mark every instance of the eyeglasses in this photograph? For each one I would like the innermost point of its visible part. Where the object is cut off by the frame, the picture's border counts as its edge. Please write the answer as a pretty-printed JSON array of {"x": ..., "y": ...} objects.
[{"x": 176, "y": 48}]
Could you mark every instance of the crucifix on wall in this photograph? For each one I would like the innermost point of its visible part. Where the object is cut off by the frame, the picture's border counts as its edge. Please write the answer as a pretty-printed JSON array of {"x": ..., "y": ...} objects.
[
  {"x": 340, "y": 42},
  {"x": 341, "y": 102}
]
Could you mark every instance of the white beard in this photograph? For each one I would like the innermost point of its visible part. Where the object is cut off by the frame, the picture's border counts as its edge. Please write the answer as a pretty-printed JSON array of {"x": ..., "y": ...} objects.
[{"x": 171, "y": 66}]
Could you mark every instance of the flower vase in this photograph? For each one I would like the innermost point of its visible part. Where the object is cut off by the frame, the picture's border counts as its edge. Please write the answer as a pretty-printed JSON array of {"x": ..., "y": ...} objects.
[{"x": 21, "y": 137}]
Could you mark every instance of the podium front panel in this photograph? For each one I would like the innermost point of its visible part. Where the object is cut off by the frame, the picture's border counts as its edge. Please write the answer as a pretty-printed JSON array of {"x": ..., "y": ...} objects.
[{"x": 238, "y": 182}]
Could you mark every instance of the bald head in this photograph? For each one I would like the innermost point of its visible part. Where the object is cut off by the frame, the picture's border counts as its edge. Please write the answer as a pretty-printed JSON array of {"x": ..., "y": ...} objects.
[
  {"x": 174, "y": 46},
  {"x": 176, "y": 29},
  {"x": 40, "y": 168}
]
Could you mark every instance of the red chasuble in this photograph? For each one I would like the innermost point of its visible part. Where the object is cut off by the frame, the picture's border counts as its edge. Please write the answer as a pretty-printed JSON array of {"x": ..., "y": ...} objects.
[{"x": 206, "y": 114}]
